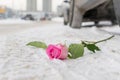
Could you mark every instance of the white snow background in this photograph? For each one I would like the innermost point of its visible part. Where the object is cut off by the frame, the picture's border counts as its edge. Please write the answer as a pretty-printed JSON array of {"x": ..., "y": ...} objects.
[{"x": 21, "y": 62}]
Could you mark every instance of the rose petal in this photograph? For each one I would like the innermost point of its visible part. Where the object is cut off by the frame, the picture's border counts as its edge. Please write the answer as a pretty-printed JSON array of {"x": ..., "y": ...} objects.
[{"x": 58, "y": 51}]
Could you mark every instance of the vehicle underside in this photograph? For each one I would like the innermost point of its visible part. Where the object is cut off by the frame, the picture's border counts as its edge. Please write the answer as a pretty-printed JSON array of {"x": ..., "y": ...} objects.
[{"x": 107, "y": 11}]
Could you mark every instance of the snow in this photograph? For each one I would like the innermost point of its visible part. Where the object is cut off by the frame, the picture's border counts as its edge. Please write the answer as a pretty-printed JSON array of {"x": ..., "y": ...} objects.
[
  {"x": 21, "y": 62},
  {"x": 13, "y": 21},
  {"x": 58, "y": 19},
  {"x": 115, "y": 29}
]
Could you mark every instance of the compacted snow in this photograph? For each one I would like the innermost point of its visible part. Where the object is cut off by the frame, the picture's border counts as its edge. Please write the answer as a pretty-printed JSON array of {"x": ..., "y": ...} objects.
[
  {"x": 21, "y": 62},
  {"x": 14, "y": 21}
]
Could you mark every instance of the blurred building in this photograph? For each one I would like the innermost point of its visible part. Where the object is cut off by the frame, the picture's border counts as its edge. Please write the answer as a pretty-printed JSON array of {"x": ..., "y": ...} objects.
[
  {"x": 32, "y": 5},
  {"x": 5, "y": 12},
  {"x": 47, "y": 5}
]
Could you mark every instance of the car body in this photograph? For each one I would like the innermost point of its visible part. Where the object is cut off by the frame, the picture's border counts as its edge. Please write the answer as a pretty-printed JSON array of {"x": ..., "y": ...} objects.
[{"x": 93, "y": 10}]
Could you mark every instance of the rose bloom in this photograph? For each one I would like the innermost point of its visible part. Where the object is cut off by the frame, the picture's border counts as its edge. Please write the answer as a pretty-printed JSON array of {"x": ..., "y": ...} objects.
[{"x": 58, "y": 51}]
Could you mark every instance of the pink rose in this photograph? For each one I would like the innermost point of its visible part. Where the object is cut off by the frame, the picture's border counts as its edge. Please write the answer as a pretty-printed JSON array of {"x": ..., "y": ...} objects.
[{"x": 58, "y": 51}]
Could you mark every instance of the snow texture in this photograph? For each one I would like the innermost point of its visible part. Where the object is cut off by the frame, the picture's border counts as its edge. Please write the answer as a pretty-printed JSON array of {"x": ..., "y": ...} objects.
[
  {"x": 14, "y": 21},
  {"x": 21, "y": 62}
]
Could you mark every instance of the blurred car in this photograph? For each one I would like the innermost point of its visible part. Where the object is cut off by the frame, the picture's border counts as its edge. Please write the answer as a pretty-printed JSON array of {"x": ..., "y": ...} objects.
[
  {"x": 28, "y": 17},
  {"x": 63, "y": 10},
  {"x": 101, "y": 12},
  {"x": 94, "y": 10}
]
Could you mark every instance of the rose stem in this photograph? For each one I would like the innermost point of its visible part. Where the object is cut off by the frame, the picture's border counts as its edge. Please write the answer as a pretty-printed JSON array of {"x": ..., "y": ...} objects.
[{"x": 95, "y": 42}]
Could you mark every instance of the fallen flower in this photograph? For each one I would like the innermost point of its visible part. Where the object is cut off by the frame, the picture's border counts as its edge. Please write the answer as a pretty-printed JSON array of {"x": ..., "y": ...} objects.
[
  {"x": 58, "y": 51},
  {"x": 73, "y": 51}
]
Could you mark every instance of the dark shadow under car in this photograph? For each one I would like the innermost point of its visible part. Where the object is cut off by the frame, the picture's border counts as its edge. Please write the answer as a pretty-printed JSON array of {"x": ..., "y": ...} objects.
[{"x": 28, "y": 17}]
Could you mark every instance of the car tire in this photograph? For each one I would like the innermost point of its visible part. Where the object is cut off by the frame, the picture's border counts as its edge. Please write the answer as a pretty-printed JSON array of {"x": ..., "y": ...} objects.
[{"x": 116, "y": 4}]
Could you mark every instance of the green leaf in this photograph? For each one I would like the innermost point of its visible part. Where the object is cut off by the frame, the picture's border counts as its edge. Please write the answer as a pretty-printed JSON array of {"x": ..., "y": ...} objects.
[
  {"x": 38, "y": 44},
  {"x": 76, "y": 50},
  {"x": 92, "y": 47}
]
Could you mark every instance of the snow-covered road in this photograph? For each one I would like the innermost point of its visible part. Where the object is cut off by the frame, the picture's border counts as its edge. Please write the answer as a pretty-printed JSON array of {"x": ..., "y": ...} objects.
[{"x": 21, "y": 62}]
